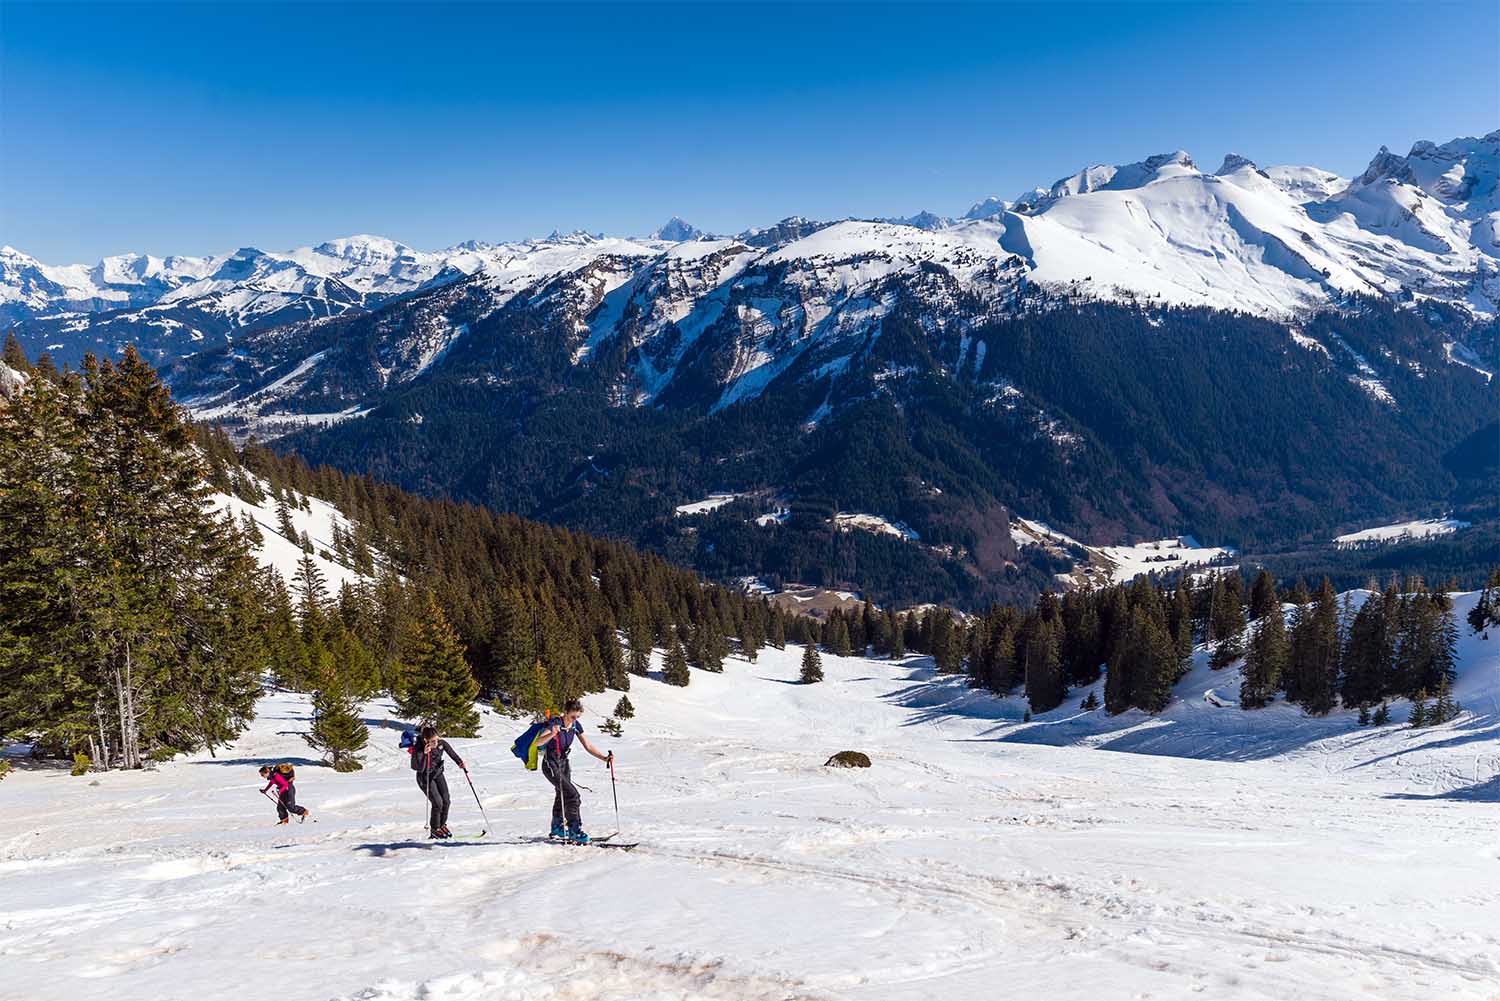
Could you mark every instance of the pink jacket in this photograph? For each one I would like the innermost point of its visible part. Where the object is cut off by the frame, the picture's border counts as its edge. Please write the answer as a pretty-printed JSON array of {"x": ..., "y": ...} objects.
[{"x": 279, "y": 781}]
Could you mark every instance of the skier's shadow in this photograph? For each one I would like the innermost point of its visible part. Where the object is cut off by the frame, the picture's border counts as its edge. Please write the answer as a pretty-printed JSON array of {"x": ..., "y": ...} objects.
[{"x": 384, "y": 848}]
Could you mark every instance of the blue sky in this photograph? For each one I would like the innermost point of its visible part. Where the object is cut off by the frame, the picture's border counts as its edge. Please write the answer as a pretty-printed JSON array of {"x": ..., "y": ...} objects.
[{"x": 198, "y": 129}]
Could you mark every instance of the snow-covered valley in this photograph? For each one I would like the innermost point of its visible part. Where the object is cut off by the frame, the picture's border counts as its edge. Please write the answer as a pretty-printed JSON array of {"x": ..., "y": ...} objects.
[{"x": 1242, "y": 855}]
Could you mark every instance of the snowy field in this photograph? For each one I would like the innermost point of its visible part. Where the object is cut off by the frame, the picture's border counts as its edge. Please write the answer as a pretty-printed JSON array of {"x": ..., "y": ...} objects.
[
  {"x": 1422, "y": 529},
  {"x": 1254, "y": 856}
]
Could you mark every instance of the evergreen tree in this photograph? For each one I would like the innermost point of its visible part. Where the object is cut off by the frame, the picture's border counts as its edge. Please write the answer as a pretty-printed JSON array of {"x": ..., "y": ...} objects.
[
  {"x": 812, "y": 665},
  {"x": 1042, "y": 663},
  {"x": 898, "y": 637},
  {"x": 836, "y": 637},
  {"x": 624, "y": 709},
  {"x": 534, "y": 693},
  {"x": 639, "y": 639},
  {"x": 1418, "y": 718},
  {"x": 284, "y": 523},
  {"x": 1227, "y": 624},
  {"x": 1367, "y": 655},
  {"x": 1155, "y": 661},
  {"x": 675, "y": 667},
  {"x": 776, "y": 635},
  {"x": 1265, "y": 661},
  {"x": 1382, "y": 715},
  {"x": 1263, "y": 596},
  {"x": 13, "y": 356},
  {"x": 438, "y": 686},
  {"x": 337, "y": 729},
  {"x": 1315, "y": 652},
  {"x": 135, "y": 629}
]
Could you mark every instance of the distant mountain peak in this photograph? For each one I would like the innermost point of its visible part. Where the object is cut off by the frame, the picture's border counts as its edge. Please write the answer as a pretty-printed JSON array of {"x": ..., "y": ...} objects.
[
  {"x": 987, "y": 208},
  {"x": 677, "y": 230},
  {"x": 1233, "y": 162}
]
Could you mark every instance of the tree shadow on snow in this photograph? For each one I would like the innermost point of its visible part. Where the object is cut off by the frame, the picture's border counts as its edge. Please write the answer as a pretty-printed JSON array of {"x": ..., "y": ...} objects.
[
  {"x": 1182, "y": 731},
  {"x": 257, "y": 762},
  {"x": 1481, "y": 792}
]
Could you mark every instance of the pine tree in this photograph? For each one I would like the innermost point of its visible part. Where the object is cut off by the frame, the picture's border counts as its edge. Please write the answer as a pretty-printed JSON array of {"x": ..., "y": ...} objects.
[
  {"x": 898, "y": 637},
  {"x": 812, "y": 665},
  {"x": 836, "y": 636},
  {"x": 1227, "y": 625},
  {"x": 675, "y": 667},
  {"x": 1367, "y": 655},
  {"x": 1155, "y": 667},
  {"x": 13, "y": 356},
  {"x": 1042, "y": 663},
  {"x": 639, "y": 639},
  {"x": 1418, "y": 718},
  {"x": 1265, "y": 661},
  {"x": 1263, "y": 595},
  {"x": 1315, "y": 652},
  {"x": 284, "y": 523},
  {"x": 337, "y": 730},
  {"x": 438, "y": 686},
  {"x": 135, "y": 629},
  {"x": 624, "y": 709},
  {"x": 534, "y": 694},
  {"x": 1382, "y": 714}
]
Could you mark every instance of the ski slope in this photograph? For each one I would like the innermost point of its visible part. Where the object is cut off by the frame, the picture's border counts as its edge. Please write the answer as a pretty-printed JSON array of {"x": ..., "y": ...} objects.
[{"x": 1288, "y": 858}]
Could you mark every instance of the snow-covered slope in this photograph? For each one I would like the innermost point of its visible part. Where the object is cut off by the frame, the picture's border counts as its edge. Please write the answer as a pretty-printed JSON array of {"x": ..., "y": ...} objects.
[
  {"x": 283, "y": 554},
  {"x": 1267, "y": 856},
  {"x": 1273, "y": 242}
]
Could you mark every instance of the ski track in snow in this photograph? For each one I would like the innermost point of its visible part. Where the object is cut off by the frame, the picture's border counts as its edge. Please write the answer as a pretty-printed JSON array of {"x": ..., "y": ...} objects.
[{"x": 1326, "y": 861}]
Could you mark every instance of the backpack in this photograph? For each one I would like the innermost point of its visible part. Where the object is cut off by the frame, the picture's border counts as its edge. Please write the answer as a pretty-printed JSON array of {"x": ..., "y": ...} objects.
[
  {"x": 408, "y": 740},
  {"x": 286, "y": 771},
  {"x": 524, "y": 747}
]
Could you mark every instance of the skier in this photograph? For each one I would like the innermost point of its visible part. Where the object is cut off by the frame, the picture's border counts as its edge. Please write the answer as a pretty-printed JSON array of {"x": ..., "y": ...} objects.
[
  {"x": 286, "y": 793},
  {"x": 555, "y": 741},
  {"x": 427, "y": 762}
]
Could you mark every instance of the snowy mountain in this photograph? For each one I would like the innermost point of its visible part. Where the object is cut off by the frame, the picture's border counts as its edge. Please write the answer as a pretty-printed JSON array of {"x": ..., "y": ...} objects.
[
  {"x": 1275, "y": 242},
  {"x": 1234, "y": 854}
]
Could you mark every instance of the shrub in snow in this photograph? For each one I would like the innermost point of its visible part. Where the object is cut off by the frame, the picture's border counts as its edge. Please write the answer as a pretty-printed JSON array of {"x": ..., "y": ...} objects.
[
  {"x": 612, "y": 727},
  {"x": 848, "y": 759},
  {"x": 81, "y": 764}
]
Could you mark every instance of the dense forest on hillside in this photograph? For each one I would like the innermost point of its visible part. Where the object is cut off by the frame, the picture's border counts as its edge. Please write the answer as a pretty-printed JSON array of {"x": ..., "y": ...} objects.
[{"x": 1108, "y": 421}]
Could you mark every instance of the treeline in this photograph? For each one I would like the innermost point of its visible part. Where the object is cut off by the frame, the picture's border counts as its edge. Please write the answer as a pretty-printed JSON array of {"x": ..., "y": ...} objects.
[{"x": 1140, "y": 637}]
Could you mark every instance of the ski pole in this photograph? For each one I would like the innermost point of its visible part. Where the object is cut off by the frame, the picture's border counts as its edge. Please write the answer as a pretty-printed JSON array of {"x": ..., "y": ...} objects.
[
  {"x": 479, "y": 804},
  {"x": 613, "y": 789}
]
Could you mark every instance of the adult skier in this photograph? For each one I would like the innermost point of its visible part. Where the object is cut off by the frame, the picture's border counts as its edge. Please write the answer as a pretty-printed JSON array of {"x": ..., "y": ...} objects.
[
  {"x": 427, "y": 762},
  {"x": 554, "y": 742},
  {"x": 284, "y": 780}
]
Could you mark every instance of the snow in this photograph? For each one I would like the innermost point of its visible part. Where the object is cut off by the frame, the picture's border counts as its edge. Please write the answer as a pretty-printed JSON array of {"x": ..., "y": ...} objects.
[
  {"x": 1421, "y": 529},
  {"x": 1237, "y": 856},
  {"x": 848, "y": 521},
  {"x": 1462, "y": 354},
  {"x": 710, "y": 503},
  {"x": 282, "y": 554},
  {"x": 1165, "y": 555}
]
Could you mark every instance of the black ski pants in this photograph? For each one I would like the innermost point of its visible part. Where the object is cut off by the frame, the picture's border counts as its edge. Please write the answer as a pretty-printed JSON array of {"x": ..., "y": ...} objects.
[
  {"x": 566, "y": 801},
  {"x": 435, "y": 788},
  {"x": 286, "y": 803}
]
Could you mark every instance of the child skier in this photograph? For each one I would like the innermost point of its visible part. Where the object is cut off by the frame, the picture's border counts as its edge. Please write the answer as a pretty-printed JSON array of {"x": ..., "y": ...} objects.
[
  {"x": 555, "y": 741},
  {"x": 286, "y": 793},
  {"x": 427, "y": 762}
]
